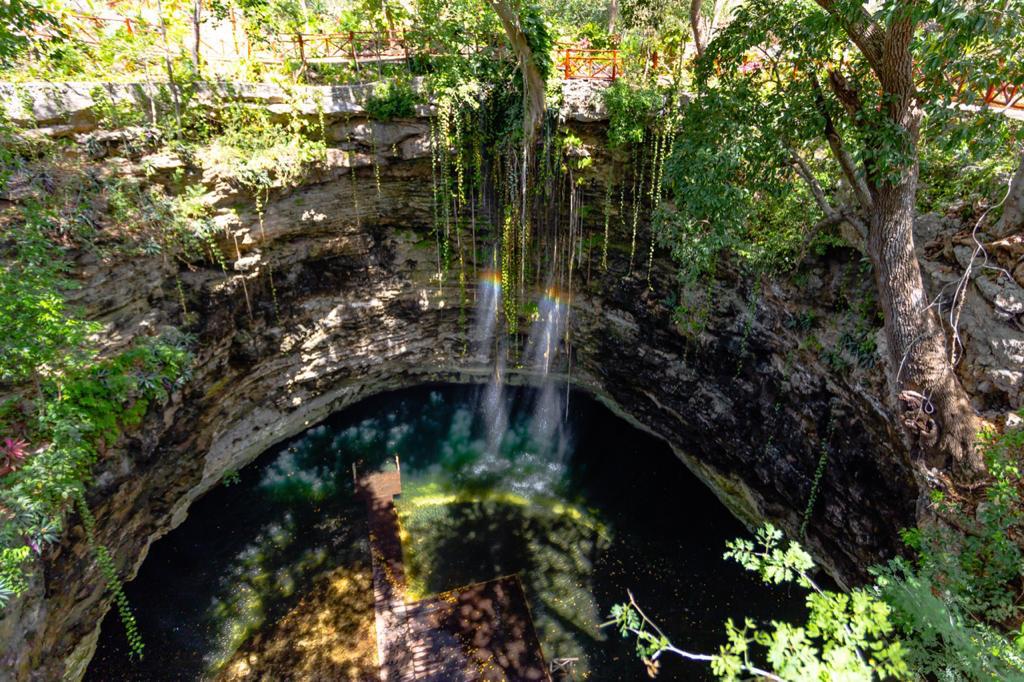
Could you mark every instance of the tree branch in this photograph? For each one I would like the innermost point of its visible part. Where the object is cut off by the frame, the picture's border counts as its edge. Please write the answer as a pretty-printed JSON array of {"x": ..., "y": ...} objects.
[
  {"x": 835, "y": 143},
  {"x": 671, "y": 648},
  {"x": 863, "y": 30},
  {"x": 833, "y": 216},
  {"x": 847, "y": 96},
  {"x": 533, "y": 83},
  {"x": 804, "y": 171}
]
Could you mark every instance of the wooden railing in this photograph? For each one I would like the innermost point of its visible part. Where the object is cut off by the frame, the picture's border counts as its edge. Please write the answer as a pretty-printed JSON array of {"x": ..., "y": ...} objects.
[
  {"x": 1005, "y": 96},
  {"x": 360, "y": 47},
  {"x": 574, "y": 62},
  {"x": 93, "y": 29},
  {"x": 338, "y": 47},
  {"x": 581, "y": 63}
]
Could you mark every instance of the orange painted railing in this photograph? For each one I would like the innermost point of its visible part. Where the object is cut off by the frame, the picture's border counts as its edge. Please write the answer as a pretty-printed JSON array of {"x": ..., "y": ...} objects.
[
  {"x": 580, "y": 63},
  {"x": 1002, "y": 96},
  {"x": 90, "y": 27},
  {"x": 357, "y": 46},
  {"x": 354, "y": 45},
  {"x": 1005, "y": 96}
]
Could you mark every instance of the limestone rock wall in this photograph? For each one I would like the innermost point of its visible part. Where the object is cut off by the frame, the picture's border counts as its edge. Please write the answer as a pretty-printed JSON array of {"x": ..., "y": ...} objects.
[{"x": 336, "y": 298}]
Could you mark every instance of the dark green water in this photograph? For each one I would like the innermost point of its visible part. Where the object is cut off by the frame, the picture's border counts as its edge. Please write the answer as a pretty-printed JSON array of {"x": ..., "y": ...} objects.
[{"x": 613, "y": 509}]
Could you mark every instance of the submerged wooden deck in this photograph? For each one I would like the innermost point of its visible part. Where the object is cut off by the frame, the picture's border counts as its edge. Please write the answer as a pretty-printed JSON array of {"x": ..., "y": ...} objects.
[{"x": 477, "y": 632}]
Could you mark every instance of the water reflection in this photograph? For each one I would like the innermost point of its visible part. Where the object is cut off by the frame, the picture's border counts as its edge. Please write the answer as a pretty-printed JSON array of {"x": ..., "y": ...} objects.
[{"x": 281, "y": 558}]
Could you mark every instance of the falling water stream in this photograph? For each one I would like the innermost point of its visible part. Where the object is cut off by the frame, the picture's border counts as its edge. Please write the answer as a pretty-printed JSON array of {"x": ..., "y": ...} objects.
[{"x": 269, "y": 576}]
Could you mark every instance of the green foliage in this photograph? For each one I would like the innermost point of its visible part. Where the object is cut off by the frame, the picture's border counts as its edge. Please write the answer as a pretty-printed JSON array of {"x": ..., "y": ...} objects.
[
  {"x": 763, "y": 104},
  {"x": 847, "y": 636},
  {"x": 121, "y": 56},
  {"x": 538, "y": 35},
  {"x": 630, "y": 112},
  {"x": 80, "y": 411},
  {"x": 260, "y": 153},
  {"x": 965, "y": 179},
  {"x": 963, "y": 587},
  {"x": 66, "y": 403},
  {"x": 819, "y": 475},
  {"x": 114, "y": 114},
  {"x": 39, "y": 337},
  {"x": 732, "y": 183},
  {"x": 18, "y": 17},
  {"x": 942, "y": 616},
  {"x": 113, "y": 580},
  {"x": 392, "y": 99}
]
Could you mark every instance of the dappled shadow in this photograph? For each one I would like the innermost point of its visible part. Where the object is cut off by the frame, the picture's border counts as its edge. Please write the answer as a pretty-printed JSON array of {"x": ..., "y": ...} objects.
[
  {"x": 328, "y": 635},
  {"x": 246, "y": 576},
  {"x": 550, "y": 547},
  {"x": 478, "y": 632}
]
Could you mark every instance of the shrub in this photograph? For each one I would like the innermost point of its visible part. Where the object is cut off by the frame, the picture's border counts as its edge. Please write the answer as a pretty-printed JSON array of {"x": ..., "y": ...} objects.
[{"x": 393, "y": 99}]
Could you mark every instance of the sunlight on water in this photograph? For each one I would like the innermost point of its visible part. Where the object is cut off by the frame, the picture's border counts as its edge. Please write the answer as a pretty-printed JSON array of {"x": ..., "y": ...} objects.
[{"x": 250, "y": 581}]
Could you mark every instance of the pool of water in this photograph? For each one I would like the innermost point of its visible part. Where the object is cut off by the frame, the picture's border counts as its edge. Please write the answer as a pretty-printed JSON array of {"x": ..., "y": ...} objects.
[{"x": 269, "y": 576}]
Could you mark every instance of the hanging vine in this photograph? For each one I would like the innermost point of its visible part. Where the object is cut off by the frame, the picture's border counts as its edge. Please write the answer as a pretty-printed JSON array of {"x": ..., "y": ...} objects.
[
  {"x": 638, "y": 171},
  {"x": 508, "y": 267},
  {"x": 110, "y": 576},
  {"x": 652, "y": 192},
  {"x": 819, "y": 475},
  {"x": 607, "y": 221}
]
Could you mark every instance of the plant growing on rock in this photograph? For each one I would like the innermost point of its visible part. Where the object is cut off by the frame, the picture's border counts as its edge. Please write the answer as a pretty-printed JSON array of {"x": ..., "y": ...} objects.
[
  {"x": 66, "y": 400},
  {"x": 944, "y": 614},
  {"x": 851, "y": 84},
  {"x": 391, "y": 99}
]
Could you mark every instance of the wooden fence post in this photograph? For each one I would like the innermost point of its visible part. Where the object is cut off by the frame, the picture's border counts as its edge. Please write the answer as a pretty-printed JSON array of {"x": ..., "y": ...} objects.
[
  {"x": 352, "y": 45},
  {"x": 302, "y": 54},
  {"x": 376, "y": 46}
]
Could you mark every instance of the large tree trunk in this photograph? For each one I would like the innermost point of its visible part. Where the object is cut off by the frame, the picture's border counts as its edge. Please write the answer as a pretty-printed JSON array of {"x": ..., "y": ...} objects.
[
  {"x": 1012, "y": 220},
  {"x": 695, "y": 24},
  {"x": 613, "y": 15},
  {"x": 534, "y": 105},
  {"x": 936, "y": 411}
]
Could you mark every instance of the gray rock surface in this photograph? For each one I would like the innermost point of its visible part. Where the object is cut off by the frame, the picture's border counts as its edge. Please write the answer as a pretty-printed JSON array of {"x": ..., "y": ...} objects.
[{"x": 341, "y": 281}]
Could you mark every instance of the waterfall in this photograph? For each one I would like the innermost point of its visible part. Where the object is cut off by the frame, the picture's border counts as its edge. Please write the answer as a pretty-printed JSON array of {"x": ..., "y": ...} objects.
[
  {"x": 493, "y": 406},
  {"x": 486, "y": 321},
  {"x": 541, "y": 350}
]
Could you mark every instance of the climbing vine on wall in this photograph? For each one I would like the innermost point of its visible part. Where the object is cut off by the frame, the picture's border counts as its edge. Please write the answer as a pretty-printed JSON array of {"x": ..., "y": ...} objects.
[
  {"x": 819, "y": 475},
  {"x": 110, "y": 576}
]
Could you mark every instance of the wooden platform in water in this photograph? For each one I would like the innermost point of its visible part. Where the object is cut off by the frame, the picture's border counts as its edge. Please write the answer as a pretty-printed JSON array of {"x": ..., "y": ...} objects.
[{"x": 479, "y": 632}]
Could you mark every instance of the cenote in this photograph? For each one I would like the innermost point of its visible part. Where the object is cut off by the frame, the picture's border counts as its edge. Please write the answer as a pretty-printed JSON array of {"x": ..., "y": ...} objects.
[{"x": 270, "y": 574}]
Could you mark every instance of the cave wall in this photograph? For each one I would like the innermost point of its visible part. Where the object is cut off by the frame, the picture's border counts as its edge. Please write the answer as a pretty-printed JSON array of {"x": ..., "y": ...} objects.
[{"x": 345, "y": 303}]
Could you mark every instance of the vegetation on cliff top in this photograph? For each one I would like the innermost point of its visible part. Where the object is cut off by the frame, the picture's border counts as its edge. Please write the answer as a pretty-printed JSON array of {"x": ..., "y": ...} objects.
[{"x": 804, "y": 124}]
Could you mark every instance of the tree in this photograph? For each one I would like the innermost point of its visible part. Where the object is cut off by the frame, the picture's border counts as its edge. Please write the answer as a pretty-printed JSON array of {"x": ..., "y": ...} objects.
[
  {"x": 197, "y": 8},
  {"x": 799, "y": 77},
  {"x": 695, "y": 25},
  {"x": 917, "y": 343},
  {"x": 17, "y": 19},
  {"x": 530, "y": 66},
  {"x": 1012, "y": 220},
  {"x": 846, "y": 637}
]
